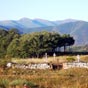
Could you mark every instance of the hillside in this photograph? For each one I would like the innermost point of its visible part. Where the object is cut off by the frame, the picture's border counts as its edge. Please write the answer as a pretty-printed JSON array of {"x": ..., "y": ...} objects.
[{"x": 78, "y": 29}]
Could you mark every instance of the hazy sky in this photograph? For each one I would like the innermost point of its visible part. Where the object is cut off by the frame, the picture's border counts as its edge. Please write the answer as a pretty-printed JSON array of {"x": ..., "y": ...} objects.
[{"x": 44, "y": 9}]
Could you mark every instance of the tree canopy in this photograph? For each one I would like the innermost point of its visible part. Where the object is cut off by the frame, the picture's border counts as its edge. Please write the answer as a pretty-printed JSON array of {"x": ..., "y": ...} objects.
[{"x": 14, "y": 44}]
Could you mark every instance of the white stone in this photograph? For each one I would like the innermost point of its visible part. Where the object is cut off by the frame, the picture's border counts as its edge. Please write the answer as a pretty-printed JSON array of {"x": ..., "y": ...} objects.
[{"x": 9, "y": 64}]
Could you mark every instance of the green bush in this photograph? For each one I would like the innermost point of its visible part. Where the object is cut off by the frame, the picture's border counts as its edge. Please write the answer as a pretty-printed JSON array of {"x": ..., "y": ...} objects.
[
  {"x": 17, "y": 82},
  {"x": 22, "y": 82},
  {"x": 70, "y": 59},
  {"x": 4, "y": 83}
]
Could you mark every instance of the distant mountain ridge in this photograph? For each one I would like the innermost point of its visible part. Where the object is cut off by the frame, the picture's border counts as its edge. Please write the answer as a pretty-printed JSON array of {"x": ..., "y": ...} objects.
[{"x": 77, "y": 28}]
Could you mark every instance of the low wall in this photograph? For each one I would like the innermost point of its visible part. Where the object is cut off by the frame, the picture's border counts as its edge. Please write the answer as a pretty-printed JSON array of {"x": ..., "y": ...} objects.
[
  {"x": 32, "y": 66},
  {"x": 75, "y": 65},
  {"x": 36, "y": 66}
]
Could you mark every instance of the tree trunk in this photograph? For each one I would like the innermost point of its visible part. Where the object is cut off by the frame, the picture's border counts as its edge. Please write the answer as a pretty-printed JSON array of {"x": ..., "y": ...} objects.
[{"x": 64, "y": 48}]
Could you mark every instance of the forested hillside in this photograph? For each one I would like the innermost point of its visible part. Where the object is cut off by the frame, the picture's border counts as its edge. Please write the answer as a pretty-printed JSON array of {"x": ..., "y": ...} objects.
[{"x": 76, "y": 28}]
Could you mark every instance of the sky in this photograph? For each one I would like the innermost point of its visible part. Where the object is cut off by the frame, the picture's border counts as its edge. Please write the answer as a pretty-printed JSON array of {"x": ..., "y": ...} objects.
[{"x": 44, "y": 9}]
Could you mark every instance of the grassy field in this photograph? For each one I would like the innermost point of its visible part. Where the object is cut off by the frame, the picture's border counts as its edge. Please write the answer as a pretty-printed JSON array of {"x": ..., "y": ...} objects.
[
  {"x": 70, "y": 78},
  {"x": 59, "y": 59}
]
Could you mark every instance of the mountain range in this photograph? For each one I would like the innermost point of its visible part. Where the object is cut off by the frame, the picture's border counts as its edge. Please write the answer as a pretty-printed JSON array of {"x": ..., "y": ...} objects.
[{"x": 76, "y": 28}]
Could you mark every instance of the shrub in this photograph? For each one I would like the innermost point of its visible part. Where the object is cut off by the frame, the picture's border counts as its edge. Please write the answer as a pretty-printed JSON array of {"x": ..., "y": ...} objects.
[
  {"x": 70, "y": 59},
  {"x": 4, "y": 83},
  {"x": 22, "y": 82},
  {"x": 17, "y": 82}
]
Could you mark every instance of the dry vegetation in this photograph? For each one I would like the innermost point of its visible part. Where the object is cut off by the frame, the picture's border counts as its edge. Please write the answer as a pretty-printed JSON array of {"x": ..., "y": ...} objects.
[
  {"x": 70, "y": 78},
  {"x": 41, "y": 60},
  {"x": 59, "y": 59}
]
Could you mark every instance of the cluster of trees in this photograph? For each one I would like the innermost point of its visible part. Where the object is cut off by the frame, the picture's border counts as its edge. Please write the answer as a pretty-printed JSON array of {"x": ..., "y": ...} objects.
[
  {"x": 83, "y": 48},
  {"x": 14, "y": 44}
]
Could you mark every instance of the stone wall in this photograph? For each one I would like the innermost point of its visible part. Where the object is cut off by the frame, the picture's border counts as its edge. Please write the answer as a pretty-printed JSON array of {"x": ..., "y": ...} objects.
[
  {"x": 32, "y": 66},
  {"x": 75, "y": 65}
]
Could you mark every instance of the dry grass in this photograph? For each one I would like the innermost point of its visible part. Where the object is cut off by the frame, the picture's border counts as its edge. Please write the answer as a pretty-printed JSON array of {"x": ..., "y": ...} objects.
[
  {"x": 58, "y": 59},
  {"x": 70, "y": 78},
  {"x": 40, "y": 60}
]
